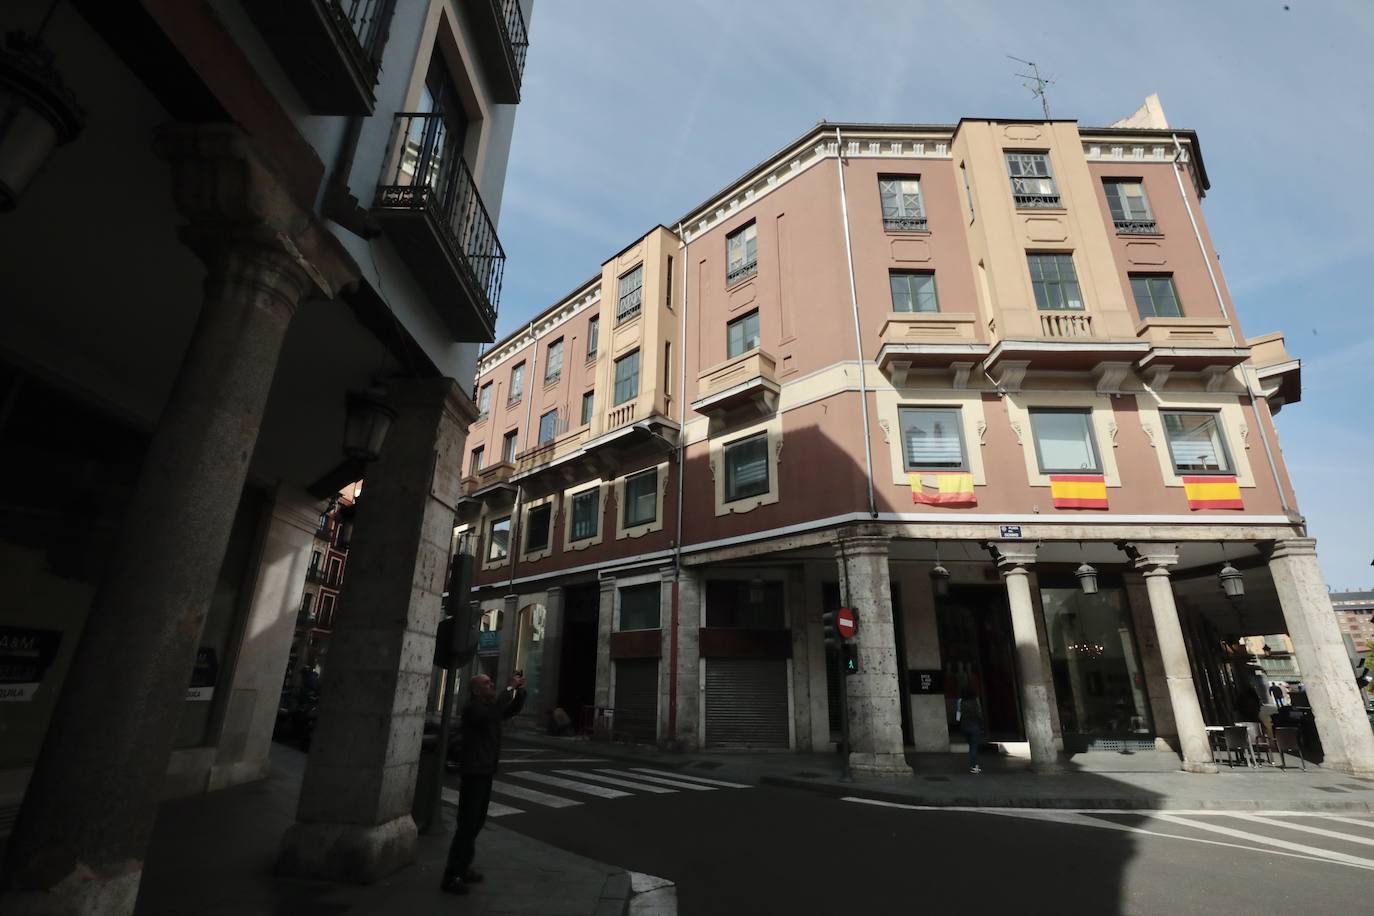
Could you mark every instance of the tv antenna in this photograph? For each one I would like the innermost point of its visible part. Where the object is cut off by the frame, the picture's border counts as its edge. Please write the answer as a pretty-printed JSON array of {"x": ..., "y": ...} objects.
[{"x": 1035, "y": 83}]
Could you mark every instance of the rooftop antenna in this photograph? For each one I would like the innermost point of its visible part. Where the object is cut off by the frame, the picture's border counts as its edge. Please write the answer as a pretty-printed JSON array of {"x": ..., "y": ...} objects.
[{"x": 1035, "y": 83}]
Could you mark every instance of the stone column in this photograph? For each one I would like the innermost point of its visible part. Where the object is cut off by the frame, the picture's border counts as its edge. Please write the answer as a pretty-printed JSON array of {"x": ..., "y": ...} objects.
[
  {"x": 1015, "y": 558},
  {"x": 605, "y": 623},
  {"x": 1153, "y": 562},
  {"x": 875, "y": 712},
  {"x": 353, "y": 822},
  {"x": 510, "y": 640},
  {"x": 688, "y": 659},
  {"x": 551, "y": 666},
  {"x": 1347, "y": 742},
  {"x": 245, "y": 739},
  {"x": 79, "y": 842}
]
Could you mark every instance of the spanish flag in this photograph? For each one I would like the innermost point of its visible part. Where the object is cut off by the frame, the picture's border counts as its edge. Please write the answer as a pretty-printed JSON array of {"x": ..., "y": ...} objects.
[
  {"x": 950, "y": 489},
  {"x": 1078, "y": 491},
  {"x": 1213, "y": 493}
]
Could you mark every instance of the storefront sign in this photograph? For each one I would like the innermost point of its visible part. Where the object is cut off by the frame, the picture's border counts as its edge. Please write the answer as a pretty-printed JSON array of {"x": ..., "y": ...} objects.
[
  {"x": 489, "y": 639},
  {"x": 1011, "y": 531},
  {"x": 203, "y": 676},
  {"x": 926, "y": 680},
  {"x": 25, "y": 656}
]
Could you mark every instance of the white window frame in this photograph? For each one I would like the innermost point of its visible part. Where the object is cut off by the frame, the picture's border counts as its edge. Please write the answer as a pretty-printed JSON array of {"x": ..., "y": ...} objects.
[
  {"x": 553, "y": 362},
  {"x": 660, "y": 487},
  {"x": 742, "y": 322},
  {"x": 739, "y": 266},
  {"x": 773, "y": 427},
  {"x": 629, "y": 295},
  {"x": 530, "y": 556},
  {"x": 1235, "y": 428},
  {"x": 1018, "y": 405},
  {"x": 603, "y": 488},
  {"x": 971, "y": 415},
  {"x": 489, "y": 562}
]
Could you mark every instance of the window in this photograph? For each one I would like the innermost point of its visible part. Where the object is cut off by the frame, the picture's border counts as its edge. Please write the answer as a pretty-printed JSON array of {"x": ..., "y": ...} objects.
[
  {"x": 593, "y": 332},
  {"x": 1064, "y": 441},
  {"x": 639, "y": 607},
  {"x": 641, "y": 498},
  {"x": 517, "y": 384},
  {"x": 586, "y": 511},
  {"x": 742, "y": 334},
  {"x": 1129, "y": 205},
  {"x": 548, "y": 426},
  {"x": 484, "y": 401},
  {"x": 742, "y": 254},
  {"x": 553, "y": 362},
  {"x": 668, "y": 284},
  {"x": 932, "y": 439},
  {"x": 667, "y": 368},
  {"x": 746, "y": 467},
  {"x": 588, "y": 405},
  {"x": 913, "y": 292},
  {"x": 1055, "y": 282},
  {"x": 902, "y": 206},
  {"x": 307, "y": 603},
  {"x": 968, "y": 192},
  {"x": 477, "y": 455},
  {"x": 326, "y": 611},
  {"x": 745, "y": 604},
  {"x": 1196, "y": 444},
  {"x": 537, "y": 528},
  {"x": 1155, "y": 296},
  {"x": 508, "y": 446},
  {"x": 626, "y": 377},
  {"x": 631, "y": 293},
  {"x": 499, "y": 546},
  {"x": 1032, "y": 185},
  {"x": 335, "y": 573}
]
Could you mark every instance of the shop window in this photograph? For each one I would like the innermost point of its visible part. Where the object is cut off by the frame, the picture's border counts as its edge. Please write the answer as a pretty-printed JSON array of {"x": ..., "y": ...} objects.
[
  {"x": 750, "y": 604},
  {"x": 639, "y": 607}
]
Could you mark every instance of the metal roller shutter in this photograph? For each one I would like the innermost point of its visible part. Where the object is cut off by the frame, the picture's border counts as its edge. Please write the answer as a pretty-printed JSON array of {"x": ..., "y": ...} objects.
[
  {"x": 746, "y": 702},
  {"x": 636, "y": 700}
]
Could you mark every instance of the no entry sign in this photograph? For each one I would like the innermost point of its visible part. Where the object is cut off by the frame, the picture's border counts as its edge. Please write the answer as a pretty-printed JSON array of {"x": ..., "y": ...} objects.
[{"x": 847, "y": 623}]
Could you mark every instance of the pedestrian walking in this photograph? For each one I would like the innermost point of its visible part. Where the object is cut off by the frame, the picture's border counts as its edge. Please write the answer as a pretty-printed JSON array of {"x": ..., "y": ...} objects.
[
  {"x": 481, "y": 751},
  {"x": 968, "y": 713}
]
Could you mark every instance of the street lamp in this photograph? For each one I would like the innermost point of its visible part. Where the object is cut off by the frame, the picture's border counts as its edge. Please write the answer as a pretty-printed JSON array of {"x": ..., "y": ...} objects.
[
  {"x": 939, "y": 576},
  {"x": 369, "y": 418},
  {"x": 38, "y": 112},
  {"x": 1087, "y": 579},
  {"x": 1232, "y": 582}
]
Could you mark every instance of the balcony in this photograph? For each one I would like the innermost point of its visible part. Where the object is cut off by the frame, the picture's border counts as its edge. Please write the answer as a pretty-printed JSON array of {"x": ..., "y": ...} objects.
[
  {"x": 1037, "y": 201},
  {"x": 742, "y": 272},
  {"x": 500, "y": 26},
  {"x": 747, "y": 380},
  {"x": 905, "y": 224},
  {"x": 926, "y": 340},
  {"x": 331, "y": 49},
  {"x": 1189, "y": 344},
  {"x": 558, "y": 454},
  {"x": 1278, "y": 372},
  {"x": 430, "y": 207},
  {"x": 1058, "y": 340},
  {"x": 315, "y": 574},
  {"x": 1136, "y": 227}
]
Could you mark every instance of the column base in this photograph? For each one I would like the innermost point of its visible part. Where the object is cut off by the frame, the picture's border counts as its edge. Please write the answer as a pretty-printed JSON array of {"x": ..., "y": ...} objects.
[
  {"x": 347, "y": 853},
  {"x": 1348, "y": 768},
  {"x": 879, "y": 765},
  {"x": 1054, "y": 767},
  {"x": 1199, "y": 766},
  {"x": 79, "y": 894}
]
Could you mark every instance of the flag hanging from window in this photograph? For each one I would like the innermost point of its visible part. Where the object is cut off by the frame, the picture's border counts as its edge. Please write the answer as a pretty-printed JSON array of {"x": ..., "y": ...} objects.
[
  {"x": 1078, "y": 491},
  {"x": 1213, "y": 492},
  {"x": 949, "y": 489}
]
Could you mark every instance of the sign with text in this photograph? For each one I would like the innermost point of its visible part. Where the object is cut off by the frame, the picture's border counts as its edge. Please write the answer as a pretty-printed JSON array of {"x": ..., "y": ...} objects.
[
  {"x": 203, "y": 676},
  {"x": 1011, "y": 531},
  {"x": 25, "y": 657},
  {"x": 925, "y": 680}
]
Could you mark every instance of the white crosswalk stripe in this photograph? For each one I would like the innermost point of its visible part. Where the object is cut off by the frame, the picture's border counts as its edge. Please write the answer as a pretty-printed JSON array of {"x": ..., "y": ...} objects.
[
  {"x": 676, "y": 775},
  {"x": 611, "y": 780},
  {"x": 494, "y": 809},
  {"x": 501, "y": 787},
  {"x": 677, "y": 783},
  {"x": 585, "y": 788}
]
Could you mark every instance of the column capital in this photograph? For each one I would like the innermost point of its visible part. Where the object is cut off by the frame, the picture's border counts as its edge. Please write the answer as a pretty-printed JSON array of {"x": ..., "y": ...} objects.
[
  {"x": 1014, "y": 556},
  {"x": 511, "y": 601},
  {"x": 1152, "y": 557},
  {"x": 862, "y": 541},
  {"x": 607, "y": 583},
  {"x": 1293, "y": 547},
  {"x": 667, "y": 573},
  {"x": 554, "y": 591}
]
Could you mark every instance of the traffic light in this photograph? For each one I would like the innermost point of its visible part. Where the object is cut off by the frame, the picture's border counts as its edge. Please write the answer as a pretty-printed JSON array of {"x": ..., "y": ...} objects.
[
  {"x": 851, "y": 659},
  {"x": 1362, "y": 676},
  {"x": 831, "y": 630}
]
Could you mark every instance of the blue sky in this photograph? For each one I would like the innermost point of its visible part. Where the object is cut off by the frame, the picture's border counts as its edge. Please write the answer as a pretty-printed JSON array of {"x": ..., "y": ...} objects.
[{"x": 634, "y": 111}]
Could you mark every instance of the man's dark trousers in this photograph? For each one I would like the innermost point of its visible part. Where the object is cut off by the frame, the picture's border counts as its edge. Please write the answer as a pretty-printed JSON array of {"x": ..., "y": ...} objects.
[{"x": 474, "y": 795}]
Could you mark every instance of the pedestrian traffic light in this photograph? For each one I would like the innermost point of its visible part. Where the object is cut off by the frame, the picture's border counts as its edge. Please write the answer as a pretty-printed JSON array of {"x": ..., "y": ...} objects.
[
  {"x": 830, "y": 631},
  {"x": 851, "y": 659}
]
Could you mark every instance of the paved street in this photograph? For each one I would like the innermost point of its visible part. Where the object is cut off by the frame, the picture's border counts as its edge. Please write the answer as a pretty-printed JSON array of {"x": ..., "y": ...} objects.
[{"x": 733, "y": 848}]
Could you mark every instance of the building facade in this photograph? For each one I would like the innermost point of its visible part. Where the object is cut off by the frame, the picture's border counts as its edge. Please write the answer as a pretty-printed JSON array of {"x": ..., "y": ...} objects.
[
  {"x": 982, "y": 382},
  {"x": 270, "y": 231},
  {"x": 1355, "y": 616}
]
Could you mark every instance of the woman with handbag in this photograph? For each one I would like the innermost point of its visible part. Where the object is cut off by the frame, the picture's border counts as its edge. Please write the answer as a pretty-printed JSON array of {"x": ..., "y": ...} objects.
[{"x": 968, "y": 713}]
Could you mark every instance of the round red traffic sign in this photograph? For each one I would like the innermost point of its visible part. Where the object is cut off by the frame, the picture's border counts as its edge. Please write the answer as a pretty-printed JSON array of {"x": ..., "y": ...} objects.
[{"x": 847, "y": 622}]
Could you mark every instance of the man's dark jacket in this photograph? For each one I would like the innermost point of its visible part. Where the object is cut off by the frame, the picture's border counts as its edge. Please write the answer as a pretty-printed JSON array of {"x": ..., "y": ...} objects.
[{"x": 482, "y": 731}]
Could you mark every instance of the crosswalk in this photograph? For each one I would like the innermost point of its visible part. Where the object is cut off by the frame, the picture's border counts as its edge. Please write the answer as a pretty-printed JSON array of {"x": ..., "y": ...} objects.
[
  {"x": 1337, "y": 839},
  {"x": 521, "y": 790}
]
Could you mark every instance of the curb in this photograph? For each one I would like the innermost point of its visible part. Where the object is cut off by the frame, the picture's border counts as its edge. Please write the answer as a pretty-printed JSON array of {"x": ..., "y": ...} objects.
[
  {"x": 600, "y": 749},
  {"x": 1118, "y": 803}
]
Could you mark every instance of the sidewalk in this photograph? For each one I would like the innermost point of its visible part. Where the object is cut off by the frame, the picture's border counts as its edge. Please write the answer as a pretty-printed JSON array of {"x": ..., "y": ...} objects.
[
  {"x": 212, "y": 855},
  {"x": 1101, "y": 779}
]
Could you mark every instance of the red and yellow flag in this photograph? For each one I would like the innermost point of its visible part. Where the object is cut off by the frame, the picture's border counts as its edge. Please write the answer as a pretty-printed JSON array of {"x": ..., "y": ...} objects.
[
  {"x": 1213, "y": 493},
  {"x": 1078, "y": 491},
  {"x": 950, "y": 489}
]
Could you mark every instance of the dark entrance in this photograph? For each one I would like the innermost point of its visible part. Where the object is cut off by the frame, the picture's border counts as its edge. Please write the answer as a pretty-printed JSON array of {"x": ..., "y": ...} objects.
[
  {"x": 977, "y": 648},
  {"x": 577, "y": 668}
]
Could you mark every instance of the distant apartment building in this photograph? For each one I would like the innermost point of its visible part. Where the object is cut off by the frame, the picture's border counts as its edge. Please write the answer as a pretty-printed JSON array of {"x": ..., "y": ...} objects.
[
  {"x": 1355, "y": 615},
  {"x": 982, "y": 382}
]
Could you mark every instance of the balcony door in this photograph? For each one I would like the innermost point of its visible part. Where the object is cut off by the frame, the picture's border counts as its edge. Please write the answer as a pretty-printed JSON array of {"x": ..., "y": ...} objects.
[{"x": 436, "y": 135}]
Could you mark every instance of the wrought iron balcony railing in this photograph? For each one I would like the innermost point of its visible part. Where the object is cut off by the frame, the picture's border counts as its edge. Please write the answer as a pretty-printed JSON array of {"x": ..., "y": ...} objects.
[
  {"x": 427, "y": 175},
  {"x": 904, "y": 223},
  {"x": 1032, "y": 201},
  {"x": 1136, "y": 227},
  {"x": 742, "y": 272},
  {"x": 331, "y": 49},
  {"x": 517, "y": 36},
  {"x": 504, "y": 41}
]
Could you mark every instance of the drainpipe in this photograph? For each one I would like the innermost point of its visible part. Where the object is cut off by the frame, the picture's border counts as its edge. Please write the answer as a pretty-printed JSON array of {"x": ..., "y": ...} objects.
[
  {"x": 858, "y": 335},
  {"x": 1221, "y": 302},
  {"x": 520, "y": 488},
  {"x": 681, "y": 483}
]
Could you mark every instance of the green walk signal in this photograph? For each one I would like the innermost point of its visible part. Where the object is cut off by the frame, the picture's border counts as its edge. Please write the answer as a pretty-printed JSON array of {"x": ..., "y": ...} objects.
[{"x": 851, "y": 659}]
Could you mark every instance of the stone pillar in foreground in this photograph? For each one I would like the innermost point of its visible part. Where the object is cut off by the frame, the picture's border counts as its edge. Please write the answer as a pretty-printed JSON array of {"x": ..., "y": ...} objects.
[
  {"x": 1347, "y": 741},
  {"x": 551, "y": 659},
  {"x": 689, "y": 623},
  {"x": 605, "y": 624},
  {"x": 353, "y": 822},
  {"x": 79, "y": 842},
  {"x": 875, "y": 711},
  {"x": 1015, "y": 559},
  {"x": 510, "y": 640},
  {"x": 1153, "y": 561}
]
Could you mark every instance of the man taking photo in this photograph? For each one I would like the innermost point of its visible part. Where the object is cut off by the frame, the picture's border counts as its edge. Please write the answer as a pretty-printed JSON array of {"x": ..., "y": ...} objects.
[{"x": 481, "y": 733}]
